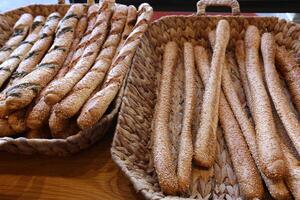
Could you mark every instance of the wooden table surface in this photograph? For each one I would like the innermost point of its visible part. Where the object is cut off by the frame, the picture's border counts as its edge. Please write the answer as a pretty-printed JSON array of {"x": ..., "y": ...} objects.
[{"x": 88, "y": 175}]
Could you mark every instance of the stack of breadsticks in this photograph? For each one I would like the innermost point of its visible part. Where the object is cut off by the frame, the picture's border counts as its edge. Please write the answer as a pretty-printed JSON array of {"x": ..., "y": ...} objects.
[
  {"x": 59, "y": 74},
  {"x": 262, "y": 133}
]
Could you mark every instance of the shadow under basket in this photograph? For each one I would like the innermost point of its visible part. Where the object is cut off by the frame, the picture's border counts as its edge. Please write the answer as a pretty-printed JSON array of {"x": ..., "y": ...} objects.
[
  {"x": 131, "y": 148},
  {"x": 84, "y": 138}
]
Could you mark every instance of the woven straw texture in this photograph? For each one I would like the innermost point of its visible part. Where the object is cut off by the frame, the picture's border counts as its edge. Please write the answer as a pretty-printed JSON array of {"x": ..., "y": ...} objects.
[
  {"x": 131, "y": 148},
  {"x": 83, "y": 139}
]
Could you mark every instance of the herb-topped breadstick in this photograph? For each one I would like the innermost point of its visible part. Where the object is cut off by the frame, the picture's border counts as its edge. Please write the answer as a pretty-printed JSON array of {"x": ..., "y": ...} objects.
[
  {"x": 12, "y": 62},
  {"x": 269, "y": 151},
  {"x": 72, "y": 103},
  {"x": 40, "y": 112},
  {"x": 39, "y": 48},
  {"x": 20, "y": 31},
  {"x": 204, "y": 152},
  {"x": 96, "y": 106},
  {"x": 63, "y": 85},
  {"x": 33, "y": 57},
  {"x": 22, "y": 94},
  {"x": 280, "y": 100}
]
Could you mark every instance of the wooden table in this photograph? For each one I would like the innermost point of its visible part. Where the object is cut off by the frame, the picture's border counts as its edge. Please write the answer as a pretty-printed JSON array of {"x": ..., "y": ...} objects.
[{"x": 88, "y": 175}]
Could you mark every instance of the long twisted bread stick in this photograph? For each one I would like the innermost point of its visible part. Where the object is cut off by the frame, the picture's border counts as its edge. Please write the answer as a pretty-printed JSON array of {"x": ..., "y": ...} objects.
[
  {"x": 204, "y": 152},
  {"x": 281, "y": 102},
  {"x": 12, "y": 62},
  {"x": 33, "y": 57},
  {"x": 277, "y": 189},
  {"x": 290, "y": 69},
  {"x": 20, "y": 31},
  {"x": 39, "y": 48},
  {"x": 95, "y": 107},
  {"x": 63, "y": 85},
  {"x": 22, "y": 94},
  {"x": 269, "y": 151},
  {"x": 40, "y": 112},
  {"x": 184, "y": 168},
  {"x": 72, "y": 103}
]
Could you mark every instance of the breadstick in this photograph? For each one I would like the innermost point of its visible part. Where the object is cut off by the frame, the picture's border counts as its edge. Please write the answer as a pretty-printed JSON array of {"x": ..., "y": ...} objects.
[
  {"x": 277, "y": 189},
  {"x": 96, "y": 106},
  {"x": 184, "y": 168},
  {"x": 281, "y": 103},
  {"x": 92, "y": 15},
  {"x": 63, "y": 85},
  {"x": 72, "y": 103},
  {"x": 290, "y": 70},
  {"x": 12, "y": 62},
  {"x": 5, "y": 128},
  {"x": 40, "y": 112},
  {"x": 20, "y": 31},
  {"x": 39, "y": 48},
  {"x": 204, "y": 152},
  {"x": 62, "y": 128},
  {"x": 163, "y": 160},
  {"x": 16, "y": 121},
  {"x": 250, "y": 183},
  {"x": 269, "y": 151},
  {"x": 130, "y": 22},
  {"x": 22, "y": 94}
]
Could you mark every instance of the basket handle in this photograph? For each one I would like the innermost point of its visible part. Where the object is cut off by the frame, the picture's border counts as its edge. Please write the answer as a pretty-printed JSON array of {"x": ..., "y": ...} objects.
[
  {"x": 233, "y": 4},
  {"x": 89, "y": 2}
]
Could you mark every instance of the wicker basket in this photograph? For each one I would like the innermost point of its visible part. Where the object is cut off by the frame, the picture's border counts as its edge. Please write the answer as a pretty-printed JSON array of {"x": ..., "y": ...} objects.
[
  {"x": 131, "y": 148},
  {"x": 85, "y": 138}
]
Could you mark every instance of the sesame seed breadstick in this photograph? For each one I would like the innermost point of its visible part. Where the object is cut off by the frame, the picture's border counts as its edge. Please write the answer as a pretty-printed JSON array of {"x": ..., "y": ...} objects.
[
  {"x": 22, "y": 94},
  {"x": 184, "y": 168},
  {"x": 62, "y": 86},
  {"x": 281, "y": 102},
  {"x": 72, "y": 103},
  {"x": 5, "y": 128},
  {"x": 44, "y": 132},
  {"x": 16, "y": 120},
  {"x": 40, "y": 112},
  {"x": 204, "y": 152},
  {"x": 58, "y": 126},
  {"x": 290, "y": 70},
  {"x": 277, "y": 189},
  {"x": 20, "y": 30},
  {"x": 269, "y": 151},
  {"x": 12, "y": 62},
  {"x": 163, "y": 160},
  {"x": 96, "y": 106}
]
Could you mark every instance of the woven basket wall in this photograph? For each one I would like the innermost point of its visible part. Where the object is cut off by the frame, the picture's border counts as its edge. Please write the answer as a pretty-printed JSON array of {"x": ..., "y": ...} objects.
[
  {"x": 72, "y": 144},
  {"x": 131, "y": 148}
]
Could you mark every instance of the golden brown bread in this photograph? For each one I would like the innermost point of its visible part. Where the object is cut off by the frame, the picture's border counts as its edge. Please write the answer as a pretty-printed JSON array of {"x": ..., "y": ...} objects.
[
  {"x": 269, "y": 150},
  {"x": 277, "y": 189},
  {"x": 163, "y": 159},
  {"x": 185, "y": 156},
  {"x": 204, "y": 151},
  {"x": 280, "y": 100}
]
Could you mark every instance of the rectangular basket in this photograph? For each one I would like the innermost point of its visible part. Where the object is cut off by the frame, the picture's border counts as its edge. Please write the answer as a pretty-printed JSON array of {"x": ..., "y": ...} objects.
[
  {"x": 85, "y": 138},
  {"x": 131, "y": 148}
]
